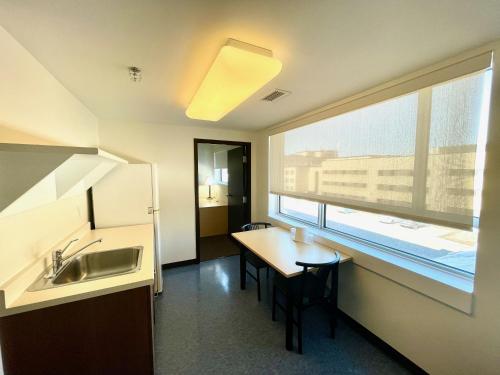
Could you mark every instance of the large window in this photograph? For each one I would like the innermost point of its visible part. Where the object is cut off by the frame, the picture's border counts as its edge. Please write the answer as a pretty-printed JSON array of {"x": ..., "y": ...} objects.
[
  {"x": 405, "y": 173},
  {"x": 413, "y": 155}
]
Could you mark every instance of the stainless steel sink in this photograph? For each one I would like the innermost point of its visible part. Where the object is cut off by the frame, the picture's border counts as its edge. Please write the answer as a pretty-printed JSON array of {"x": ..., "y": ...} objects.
[{"x": 92, "y": 266}]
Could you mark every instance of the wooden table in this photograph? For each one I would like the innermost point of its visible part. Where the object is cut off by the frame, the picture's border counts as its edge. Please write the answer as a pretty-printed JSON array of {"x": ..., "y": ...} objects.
[{"x": 276, "y": 247}]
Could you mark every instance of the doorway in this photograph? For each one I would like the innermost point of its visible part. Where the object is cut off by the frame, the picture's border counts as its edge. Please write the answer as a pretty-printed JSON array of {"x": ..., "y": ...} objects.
[{"x": 222, "y": 195}]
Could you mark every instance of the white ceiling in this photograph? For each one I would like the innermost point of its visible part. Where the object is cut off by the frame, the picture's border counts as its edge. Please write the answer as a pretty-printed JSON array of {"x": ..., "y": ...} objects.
[{"x": 329, "y": 49}]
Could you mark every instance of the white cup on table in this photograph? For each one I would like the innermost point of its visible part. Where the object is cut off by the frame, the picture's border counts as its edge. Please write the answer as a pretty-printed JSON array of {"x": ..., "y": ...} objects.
[{"x": 301, "y": 234}]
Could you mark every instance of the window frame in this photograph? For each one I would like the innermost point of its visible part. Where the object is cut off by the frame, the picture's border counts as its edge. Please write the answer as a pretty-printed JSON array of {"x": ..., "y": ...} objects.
[
  {"x": 445, "y": 286},
  {"x": 321, "y": 227}
]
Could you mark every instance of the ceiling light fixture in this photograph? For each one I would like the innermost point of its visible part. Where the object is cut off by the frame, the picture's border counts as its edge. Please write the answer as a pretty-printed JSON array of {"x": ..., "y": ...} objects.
[
  {"x": 135, "y": 73},
  {"x": 238, "y": 71}
]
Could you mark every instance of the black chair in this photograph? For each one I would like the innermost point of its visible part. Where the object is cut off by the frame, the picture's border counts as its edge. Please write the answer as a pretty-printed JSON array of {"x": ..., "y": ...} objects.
[
  {"x": 253, "y": 259},
  {"x": 309, "y": 289}
]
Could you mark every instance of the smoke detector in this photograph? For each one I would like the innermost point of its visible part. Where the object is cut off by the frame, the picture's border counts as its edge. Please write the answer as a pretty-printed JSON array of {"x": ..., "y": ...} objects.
[
  {"x": 275, "y": 95},
  {"x": 135, "y": 73}
]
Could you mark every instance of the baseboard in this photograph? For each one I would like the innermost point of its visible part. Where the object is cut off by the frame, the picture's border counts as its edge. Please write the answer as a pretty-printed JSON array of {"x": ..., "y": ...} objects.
[
  {"x": 377, "y": 341},
  {"x": 179, "y": 264}
]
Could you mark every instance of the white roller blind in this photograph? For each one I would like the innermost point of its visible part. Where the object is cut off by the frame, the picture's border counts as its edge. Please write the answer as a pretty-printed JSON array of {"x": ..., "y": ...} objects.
[
  {"x": 402, "y": 87},
  {"x": 412, "y": 156}
]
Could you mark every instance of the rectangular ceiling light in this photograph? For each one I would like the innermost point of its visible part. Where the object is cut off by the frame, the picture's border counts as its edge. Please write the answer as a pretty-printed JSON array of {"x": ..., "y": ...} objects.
[{"x": 238, "y": 71}]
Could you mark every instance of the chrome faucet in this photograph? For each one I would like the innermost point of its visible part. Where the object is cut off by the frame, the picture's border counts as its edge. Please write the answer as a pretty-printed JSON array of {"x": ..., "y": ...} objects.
[{"x": 58, "y": 259}]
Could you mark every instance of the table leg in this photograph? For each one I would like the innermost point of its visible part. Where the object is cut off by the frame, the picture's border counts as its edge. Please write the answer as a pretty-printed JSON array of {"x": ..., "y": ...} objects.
[
  {"x": 243, "y": 268},
  {"x": 333, "y": 301},
  {"x": 289, "y": 322}
]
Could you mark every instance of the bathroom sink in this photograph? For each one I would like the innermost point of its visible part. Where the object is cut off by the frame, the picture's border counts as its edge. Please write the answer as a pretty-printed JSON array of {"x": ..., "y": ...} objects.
[{"x": 92, "y": 266}]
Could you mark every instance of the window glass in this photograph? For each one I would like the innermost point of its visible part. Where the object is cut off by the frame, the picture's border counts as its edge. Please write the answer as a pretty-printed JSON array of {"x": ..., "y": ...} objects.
[
  {"x": 218, "y": 174},
  {"x": 452, "y": 247},
  {"x": 272, "y": 204},
  {"x": 224, "y": 176},
  {"x": 221, "y": 176},
  {"x": 300, "y": 209}
]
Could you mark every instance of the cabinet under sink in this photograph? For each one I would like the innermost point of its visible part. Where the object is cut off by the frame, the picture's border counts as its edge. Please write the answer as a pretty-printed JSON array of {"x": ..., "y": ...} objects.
[{"x": 110, "y": 334}]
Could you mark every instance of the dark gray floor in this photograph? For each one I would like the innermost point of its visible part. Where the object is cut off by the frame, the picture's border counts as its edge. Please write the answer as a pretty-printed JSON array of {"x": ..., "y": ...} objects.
[{"x": 206, "y": 325}]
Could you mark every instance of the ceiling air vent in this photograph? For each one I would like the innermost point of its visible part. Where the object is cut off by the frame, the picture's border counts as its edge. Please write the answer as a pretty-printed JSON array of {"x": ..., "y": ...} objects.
[{"x": 275, "y": 95}]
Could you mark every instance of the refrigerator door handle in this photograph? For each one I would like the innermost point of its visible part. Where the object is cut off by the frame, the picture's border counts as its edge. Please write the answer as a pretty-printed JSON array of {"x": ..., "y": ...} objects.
[{"x": 151, "y": 210}]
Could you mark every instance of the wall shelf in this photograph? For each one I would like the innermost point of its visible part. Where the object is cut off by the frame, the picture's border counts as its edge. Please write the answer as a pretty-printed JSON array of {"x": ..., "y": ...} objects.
[{"x": 34, "y": 175}]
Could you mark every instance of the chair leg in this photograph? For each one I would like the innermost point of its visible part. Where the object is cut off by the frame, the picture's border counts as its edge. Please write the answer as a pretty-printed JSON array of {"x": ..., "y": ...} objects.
[
  {"x": 274, "y": 304},
  {"x": 299, "y": 329},
  {"x": 258, "y": 284}
]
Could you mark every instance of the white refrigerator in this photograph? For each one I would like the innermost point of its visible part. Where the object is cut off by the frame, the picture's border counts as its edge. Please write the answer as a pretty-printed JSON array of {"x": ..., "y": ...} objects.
[{"x": 128, "y": 195}]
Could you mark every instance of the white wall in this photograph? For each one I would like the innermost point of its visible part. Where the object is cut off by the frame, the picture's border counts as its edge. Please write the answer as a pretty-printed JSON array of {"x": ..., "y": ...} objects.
[
  {"x": 34, "y": 103},
  {"x": 436, "y": 337},
  {"x": 205, "y": 162},
  {"x": 172, "y": 147},
  {"x": 35, "y": 108},
  {"x": 27, "y": 235}
]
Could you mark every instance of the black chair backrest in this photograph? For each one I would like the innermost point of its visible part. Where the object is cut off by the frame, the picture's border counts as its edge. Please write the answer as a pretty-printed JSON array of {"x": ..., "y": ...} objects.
[
  {"x": 256, "y": 225},
  {"x": 314, "y": 285}
]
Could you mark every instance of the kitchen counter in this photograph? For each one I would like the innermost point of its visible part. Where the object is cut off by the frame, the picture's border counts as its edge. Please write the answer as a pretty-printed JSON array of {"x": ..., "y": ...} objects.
[
  {"x": 205, "y": 203},
  {"x": 14, "y": 297}
]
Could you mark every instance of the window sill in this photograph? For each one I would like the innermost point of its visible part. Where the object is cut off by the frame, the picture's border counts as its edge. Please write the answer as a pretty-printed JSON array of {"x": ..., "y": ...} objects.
[{"x": 448, "y": 287}]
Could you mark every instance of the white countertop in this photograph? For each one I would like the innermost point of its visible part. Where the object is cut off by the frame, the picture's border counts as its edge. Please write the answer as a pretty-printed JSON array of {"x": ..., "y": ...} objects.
[
  {"x": 14, "y": 297},
  {"x": 204, "y": 203}
]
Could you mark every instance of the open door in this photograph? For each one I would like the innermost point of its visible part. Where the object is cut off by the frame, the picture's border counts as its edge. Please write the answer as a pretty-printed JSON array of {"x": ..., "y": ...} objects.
[
  {"x": 237, "y": 199},
  {"x": 222, "y": 182}
]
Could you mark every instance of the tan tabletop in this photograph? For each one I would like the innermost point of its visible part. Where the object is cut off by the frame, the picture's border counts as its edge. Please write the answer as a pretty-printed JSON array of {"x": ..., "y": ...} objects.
[{"x": 276, "y": 247}]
